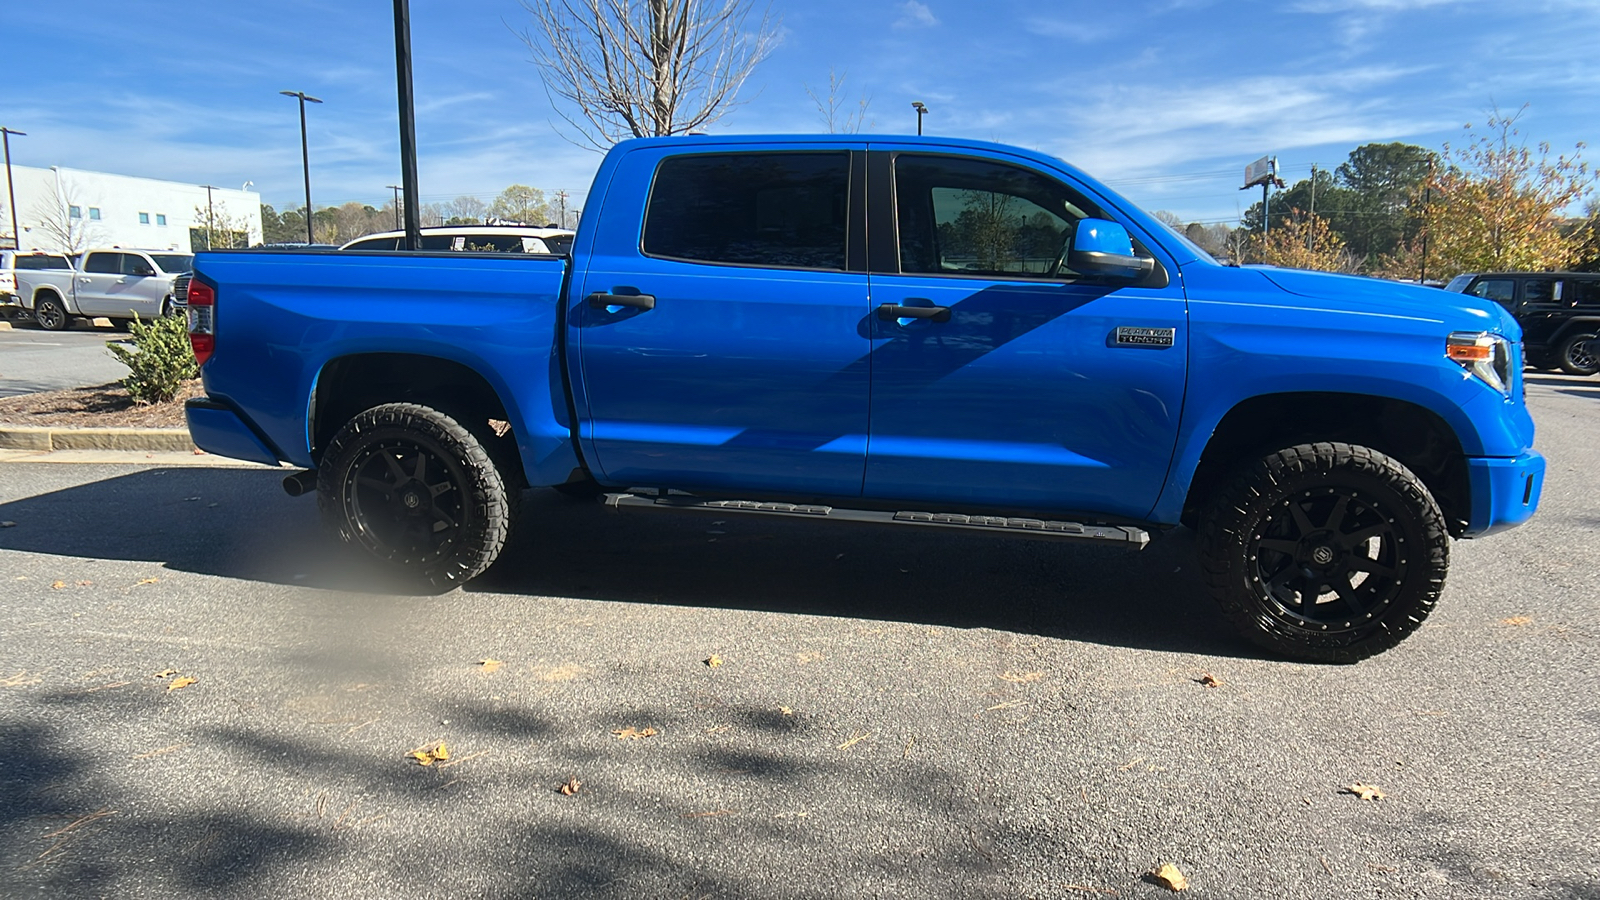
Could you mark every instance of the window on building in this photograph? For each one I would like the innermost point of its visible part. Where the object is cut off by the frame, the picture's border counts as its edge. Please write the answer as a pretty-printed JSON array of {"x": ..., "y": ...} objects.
[
  {"x": 144, "y": 218},
  {"x": 161, "y": 219},
  {"x": 75, "y": 212},
  {"x": 94, "y": 213}
]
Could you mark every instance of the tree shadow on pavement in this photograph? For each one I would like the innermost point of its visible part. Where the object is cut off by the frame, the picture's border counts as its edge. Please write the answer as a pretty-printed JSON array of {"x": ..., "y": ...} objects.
[{"x": 238, "y": 523}]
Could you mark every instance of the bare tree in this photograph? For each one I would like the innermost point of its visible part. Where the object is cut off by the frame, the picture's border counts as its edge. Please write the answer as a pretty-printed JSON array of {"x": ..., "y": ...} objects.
[
  {"x": 67, "y": 232},
  {"x": 643, "y": 68},
  {"x": 467, "y": 210},
  {"x": 833, "y": 105}
]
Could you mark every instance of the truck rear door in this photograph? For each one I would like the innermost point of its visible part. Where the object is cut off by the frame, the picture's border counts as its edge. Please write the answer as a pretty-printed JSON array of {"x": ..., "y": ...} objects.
[{"x": 722, "y": 336}]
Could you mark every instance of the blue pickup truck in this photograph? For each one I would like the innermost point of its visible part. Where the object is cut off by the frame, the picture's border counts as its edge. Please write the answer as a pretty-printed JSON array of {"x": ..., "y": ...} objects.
[{"x": 902, "y": 332}]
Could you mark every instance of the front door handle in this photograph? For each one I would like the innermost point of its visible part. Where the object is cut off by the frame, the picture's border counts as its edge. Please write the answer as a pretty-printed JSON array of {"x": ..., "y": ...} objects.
[
  {"x": 600, "y": 300},
  {"x": 888, "y": 312},
  {"x": 84, "y": 280}
]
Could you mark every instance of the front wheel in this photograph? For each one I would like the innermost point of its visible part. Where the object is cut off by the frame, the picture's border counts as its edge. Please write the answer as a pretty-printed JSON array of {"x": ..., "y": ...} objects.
[
  {"x": 414, "y": 490},
  {"x": 1580, "y": 355},
  {"x": 1325, "y": 552},
  {"x": 50, "y": 314}
]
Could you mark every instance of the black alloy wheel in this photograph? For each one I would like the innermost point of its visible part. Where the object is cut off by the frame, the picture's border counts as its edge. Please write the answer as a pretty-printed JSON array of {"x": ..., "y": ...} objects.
[
  {"x": 1326, "y": 552},
  {"x": 1580, "y": 354},
  {"x": 48, "y": 313},
  {"x": 416, "y": 492}
]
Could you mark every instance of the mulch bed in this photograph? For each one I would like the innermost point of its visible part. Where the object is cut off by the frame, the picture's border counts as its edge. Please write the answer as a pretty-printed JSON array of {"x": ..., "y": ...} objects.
[{"x": 107, "y": 405}]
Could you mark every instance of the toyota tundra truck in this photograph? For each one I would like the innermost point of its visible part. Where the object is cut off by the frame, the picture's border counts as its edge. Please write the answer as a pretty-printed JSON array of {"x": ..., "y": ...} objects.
[{"x": 920, "y": 333}]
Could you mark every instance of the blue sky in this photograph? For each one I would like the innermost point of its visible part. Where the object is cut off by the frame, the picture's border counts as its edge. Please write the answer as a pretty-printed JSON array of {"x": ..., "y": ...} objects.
[{"x": 1167, "y": 101}]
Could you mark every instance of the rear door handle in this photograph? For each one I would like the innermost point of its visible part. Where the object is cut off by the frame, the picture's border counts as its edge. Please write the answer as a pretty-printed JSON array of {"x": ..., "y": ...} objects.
[
  {"x": 600, "y": 300},
  {"x": 888, "y": 312}
]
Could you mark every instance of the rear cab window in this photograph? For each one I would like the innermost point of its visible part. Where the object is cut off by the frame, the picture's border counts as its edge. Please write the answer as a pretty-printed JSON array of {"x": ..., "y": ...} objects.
[
  {"x": 775, "y": 209},
  {"x": 42, "y": 261}
]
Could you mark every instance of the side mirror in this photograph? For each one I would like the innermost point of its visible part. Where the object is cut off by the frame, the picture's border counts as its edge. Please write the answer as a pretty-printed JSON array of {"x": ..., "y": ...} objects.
[{"x": 1103, "y": 248}]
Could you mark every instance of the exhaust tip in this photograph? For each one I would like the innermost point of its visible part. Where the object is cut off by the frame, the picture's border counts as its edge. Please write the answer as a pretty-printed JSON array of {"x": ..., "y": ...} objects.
[{"x": 300, "y": 483}]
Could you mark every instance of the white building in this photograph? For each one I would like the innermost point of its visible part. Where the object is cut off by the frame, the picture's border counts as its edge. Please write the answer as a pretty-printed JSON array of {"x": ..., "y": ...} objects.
[{"x": 71, "y": 210}]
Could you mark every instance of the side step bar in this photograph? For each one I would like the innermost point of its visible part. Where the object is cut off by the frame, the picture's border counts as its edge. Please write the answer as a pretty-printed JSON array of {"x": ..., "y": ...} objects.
[{"x": 1042, "y": 529}]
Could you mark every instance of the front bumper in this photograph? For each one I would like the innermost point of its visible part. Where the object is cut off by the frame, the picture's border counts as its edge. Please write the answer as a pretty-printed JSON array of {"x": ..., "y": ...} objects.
[
  {"x": 1505, "y": 491},
  {"x": 216, "y": 428}
]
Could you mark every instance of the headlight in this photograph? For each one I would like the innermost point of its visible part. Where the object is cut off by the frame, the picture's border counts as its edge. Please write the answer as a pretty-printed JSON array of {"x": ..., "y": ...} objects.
[{"x": 1484, "y": 355}]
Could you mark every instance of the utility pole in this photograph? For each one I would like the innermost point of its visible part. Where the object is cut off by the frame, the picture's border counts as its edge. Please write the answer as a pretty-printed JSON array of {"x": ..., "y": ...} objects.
[
  {"x": 561, "y": 197},
  {"x": 1309, "y": 239},
  {"x": 11, "y": 191},
  {"x": 211, "y": 219},
  {"x": 1427, "y": 200},
  {"x": 396, "y": 188}
]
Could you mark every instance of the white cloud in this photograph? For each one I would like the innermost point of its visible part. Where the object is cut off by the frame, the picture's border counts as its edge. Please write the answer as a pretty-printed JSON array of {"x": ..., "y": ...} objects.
[{"x": 915, "y": 15}]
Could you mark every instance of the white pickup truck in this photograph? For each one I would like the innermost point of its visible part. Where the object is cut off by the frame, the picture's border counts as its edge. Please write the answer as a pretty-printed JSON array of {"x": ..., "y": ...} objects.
[{"x": 118, "y": 284}]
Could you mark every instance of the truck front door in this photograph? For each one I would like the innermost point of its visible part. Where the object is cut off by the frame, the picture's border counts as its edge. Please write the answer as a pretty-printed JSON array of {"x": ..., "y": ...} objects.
[
  {"x": 722, "y": 340},
  {"x": 1000, "y": 378}
]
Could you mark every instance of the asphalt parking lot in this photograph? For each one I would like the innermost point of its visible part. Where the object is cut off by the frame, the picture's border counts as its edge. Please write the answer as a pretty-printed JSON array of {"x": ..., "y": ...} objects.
[
  {"x": 893, "y": 714},
  {"x": 32, "y": 359}
]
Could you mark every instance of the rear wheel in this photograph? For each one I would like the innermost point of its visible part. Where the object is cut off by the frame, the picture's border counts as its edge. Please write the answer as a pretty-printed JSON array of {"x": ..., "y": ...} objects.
[
  {"x": 415, "y": 491},
  {"x": 50, "y": 314},
  {"x": 1326, "y": 552},
  {"x": 1580, "y": 355}
]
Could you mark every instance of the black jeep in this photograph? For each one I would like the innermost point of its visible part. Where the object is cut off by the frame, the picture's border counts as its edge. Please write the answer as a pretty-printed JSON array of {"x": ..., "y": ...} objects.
[{"x": 1559, "y": 313}]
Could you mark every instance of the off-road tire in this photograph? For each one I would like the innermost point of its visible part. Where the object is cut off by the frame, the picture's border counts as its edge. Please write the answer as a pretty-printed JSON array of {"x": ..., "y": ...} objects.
[
  {"x": 414, "y": 490},
  {"x": 50, "y": 314},
  {"x": 1579, "y": 354},
  {"x": 1319, "y": 515}
]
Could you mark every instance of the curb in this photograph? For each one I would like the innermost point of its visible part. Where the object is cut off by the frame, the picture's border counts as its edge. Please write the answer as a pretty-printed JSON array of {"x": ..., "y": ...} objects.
[{"x": 47, "y": 439}]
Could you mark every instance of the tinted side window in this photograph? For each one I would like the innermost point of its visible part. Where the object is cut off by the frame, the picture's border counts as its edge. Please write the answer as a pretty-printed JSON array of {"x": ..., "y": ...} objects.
[
  {"x": 107, "y": 263},
  {"x": 974, "y": 217},
  {"x": 42, "y": 262},
  {"x": 1540, "y": 290},
  {"x": 134, "y": 264},
  {"x": 761, "y": 209},
  {"x": 1500, "y": 290},
  {"x": 1583, "y": 292}
]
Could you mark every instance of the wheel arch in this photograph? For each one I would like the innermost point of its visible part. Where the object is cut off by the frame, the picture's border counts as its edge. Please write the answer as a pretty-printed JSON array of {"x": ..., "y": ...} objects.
[
  {"x": 1416, "y": 436},
  {"x": 348, "y": 385}
]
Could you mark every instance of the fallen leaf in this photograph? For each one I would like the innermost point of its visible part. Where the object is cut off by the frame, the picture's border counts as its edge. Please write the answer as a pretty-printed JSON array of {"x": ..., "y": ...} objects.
[
  {"x": 713, "y": 661},
  {"x": 854, "y": 740},
  {"x": 572, "y": 786},
  {"x": 1209, "y": 680},
  {"x": 147, "y": 581},
  {"x": 785, "y": 710},
  {"x": 431, "y": 753},
  {"x": 1024, "y": 678},
  {"x": 181, "y": 682},
  {"x": 164, "y": 673},
  {"x": 633, "y": 734},
  {"x": 58, "y": 585},
  {"x": 1517, "y": 620},
  {"x": 489, "y": 665},
  {"x": 1169, "y": 877},
  {"x": 190, "y": 499},
  {"x": 198, "y": 452},
  {"x": 1364, "y": 791}
]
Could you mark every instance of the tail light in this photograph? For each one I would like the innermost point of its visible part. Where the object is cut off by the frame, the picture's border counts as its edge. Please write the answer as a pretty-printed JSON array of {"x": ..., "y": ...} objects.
[{"x": 202, "y": 319}]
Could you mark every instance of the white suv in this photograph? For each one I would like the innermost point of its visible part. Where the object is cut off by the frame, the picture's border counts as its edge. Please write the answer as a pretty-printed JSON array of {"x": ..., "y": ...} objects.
[{"x": 476, "y": 239}]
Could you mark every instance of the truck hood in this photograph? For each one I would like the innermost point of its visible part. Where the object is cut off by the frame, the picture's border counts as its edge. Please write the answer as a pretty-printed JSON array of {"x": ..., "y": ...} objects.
[{"x": 1326, "y": 290}]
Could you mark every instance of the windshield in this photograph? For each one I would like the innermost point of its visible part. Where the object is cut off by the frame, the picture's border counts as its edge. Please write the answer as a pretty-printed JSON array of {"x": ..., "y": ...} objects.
[
  {"x": 173, "y": 262},
  {"x": 1458, "y": 283}
]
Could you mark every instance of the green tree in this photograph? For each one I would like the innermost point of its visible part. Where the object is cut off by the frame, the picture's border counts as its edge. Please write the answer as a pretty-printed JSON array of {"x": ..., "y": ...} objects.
[
  {"x": 1302, "y": 241},
  {"x": 1383, "y": 180},
  {"x": 1496, "y": 203},
  {"x": 520, "y": 203}
]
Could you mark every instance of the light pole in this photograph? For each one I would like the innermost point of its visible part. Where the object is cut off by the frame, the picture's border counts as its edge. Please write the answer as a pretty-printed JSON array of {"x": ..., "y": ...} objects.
[
  {"x": 921, "y": 111},
  {"x": 305, "y": 156},
  {"x": 211, "y": 219},
  {"x": 408, "y": 122},
  {"x": 11, "y": 191},
  {"x": 396, "y": 189}
]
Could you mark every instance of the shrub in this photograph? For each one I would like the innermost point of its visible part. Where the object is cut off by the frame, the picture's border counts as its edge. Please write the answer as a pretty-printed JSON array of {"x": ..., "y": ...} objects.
[{"x": 159, "y": 359}]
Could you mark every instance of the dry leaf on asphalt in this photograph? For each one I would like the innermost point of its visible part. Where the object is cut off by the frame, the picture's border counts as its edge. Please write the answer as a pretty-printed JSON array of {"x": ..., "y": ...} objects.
[
  {"x": 489, "y": 665},
  {"x": 430, "y": 754},
  {"x": 1024, "y": 678},
  {"x": 784, "y": 710},
  {"x": 1364, "y": 791},
  {"x": 1209, "y": 680},
  {"x": 713, "y": 661},
  {"x": 147, "y": 581},
  {"x": 572, "y": 786},
  {"x": 633, "y": 734},
  {"x": 58, "y": 585},
  {"x": 164, "y": 673},
  {"x": 1517, "y": 620},
  {"x": 1169, "y": 877},
  {"x": 181, "y": 682}
]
